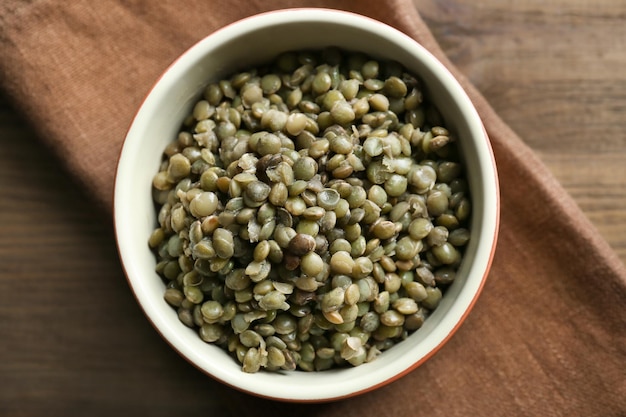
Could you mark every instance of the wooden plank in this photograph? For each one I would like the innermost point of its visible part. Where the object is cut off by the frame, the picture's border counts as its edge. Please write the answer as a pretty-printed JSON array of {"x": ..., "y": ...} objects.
[{"x": 554, "y": 71}]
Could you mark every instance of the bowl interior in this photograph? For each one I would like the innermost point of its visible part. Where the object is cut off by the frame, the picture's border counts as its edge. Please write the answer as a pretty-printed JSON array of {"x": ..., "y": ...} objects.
[{"x": 250, "y": 42}]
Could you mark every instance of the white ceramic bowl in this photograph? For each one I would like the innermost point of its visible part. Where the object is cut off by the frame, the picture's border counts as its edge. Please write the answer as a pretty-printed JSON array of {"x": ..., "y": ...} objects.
[{"x": 248, "y": 42}]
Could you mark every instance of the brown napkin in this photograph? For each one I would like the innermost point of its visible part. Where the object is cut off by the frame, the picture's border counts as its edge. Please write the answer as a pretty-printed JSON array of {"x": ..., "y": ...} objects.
[{"x": 548, "y": 335}]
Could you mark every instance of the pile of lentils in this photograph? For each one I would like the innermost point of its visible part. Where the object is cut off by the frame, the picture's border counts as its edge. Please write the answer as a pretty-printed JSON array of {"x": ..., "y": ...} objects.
[{"x": 311, "y": 211}]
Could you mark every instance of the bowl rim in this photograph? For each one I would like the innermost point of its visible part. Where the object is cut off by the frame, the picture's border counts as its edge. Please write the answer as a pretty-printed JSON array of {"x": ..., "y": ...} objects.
[{"x": 346, "y": 18}]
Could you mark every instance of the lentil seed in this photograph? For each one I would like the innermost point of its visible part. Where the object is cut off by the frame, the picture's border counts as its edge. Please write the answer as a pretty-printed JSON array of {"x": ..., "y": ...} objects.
[{"x": 332, "y": 208}]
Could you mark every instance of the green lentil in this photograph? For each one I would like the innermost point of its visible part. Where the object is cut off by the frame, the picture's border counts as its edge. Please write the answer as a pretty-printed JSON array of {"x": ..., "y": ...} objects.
[
  {"x": 459, "y": 237},
  {"x": 309, "y": 216},
  {"x": 433, "y": 297},
  {"x": 311, "y": 264},
  {"x": 437, "y": 203},
  {"x": 174, "y": 297}
]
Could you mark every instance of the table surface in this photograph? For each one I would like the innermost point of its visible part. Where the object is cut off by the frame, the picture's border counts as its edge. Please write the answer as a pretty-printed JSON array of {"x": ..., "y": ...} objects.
[{"x": 553, "y": 70}]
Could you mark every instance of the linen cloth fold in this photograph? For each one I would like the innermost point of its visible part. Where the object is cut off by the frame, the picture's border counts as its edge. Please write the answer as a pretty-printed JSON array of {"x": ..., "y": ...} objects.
[{"x": 548, "y": 334}]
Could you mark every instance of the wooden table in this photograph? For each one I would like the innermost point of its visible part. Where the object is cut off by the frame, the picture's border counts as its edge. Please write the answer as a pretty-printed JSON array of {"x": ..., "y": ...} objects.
[{"x": 74, "y": 341}]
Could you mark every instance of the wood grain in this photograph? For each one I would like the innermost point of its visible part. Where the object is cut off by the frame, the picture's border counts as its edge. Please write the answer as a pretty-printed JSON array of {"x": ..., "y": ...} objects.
[
  {"x": 73, "y": 337},
  {"x": 552, "y": 70}
]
